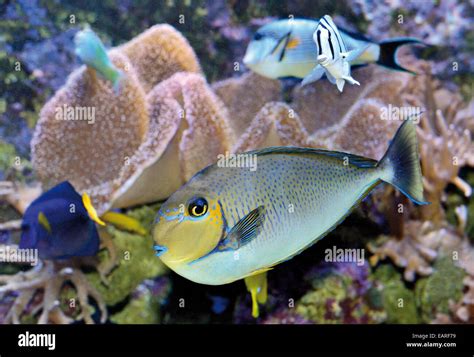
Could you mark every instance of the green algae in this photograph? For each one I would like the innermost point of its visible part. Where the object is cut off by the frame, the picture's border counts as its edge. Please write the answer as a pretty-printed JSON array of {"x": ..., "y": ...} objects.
[
  {"x": 434, "y": 292},
  {"x": 397, "y": 300},
  {"x": 12, "y": 166},
  {"x": 136, "y": 260},
  {"x": 334, "y": 300},
  {"x": 143, "y": 310}
]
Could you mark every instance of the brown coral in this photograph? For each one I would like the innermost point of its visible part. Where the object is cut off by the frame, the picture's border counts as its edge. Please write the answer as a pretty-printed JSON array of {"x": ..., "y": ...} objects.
[
  {"x": 158, "y": 53},
  {"x": 80, "y": 149},
  {"x": 188, "y": 129},
  {"x": 244, "y": 96},
  {"x": 130, "y": 130}
]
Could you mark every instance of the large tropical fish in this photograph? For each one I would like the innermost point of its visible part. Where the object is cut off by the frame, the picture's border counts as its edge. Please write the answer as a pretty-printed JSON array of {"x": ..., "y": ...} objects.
[
  {"x": 229, "y": 223},
  {"x": 285, "y": 48}
]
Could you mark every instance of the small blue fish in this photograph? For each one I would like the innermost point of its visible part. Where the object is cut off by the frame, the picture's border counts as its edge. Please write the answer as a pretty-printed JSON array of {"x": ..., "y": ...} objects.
[
  {"x": 91, "y": 51},
  {"x": 219, "y": 304},
  {"x": 61, "y": 224}
]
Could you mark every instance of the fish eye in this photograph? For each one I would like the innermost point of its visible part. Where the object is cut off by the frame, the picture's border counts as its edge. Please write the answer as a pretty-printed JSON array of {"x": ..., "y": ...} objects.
[
  {"x": 257, "y": 36},
  {"x": 198, "y": 207}
]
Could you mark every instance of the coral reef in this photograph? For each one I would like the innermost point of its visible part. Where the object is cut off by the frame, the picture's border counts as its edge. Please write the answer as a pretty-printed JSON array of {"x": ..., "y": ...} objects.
[
  {"x": 130, "y": 262},
  {"x": 145, "y": 303},
  {"x": 166, "y": 123},
  {"x": 434, "y": 293},
  {"x": 445, "y": 147},
  {"x": 49, "y": 277},
  {"x": 398, "y": 301},
  {"x": 340, "y": 294}
]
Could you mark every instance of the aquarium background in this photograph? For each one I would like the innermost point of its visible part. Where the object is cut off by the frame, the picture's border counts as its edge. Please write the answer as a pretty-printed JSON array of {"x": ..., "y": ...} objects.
[{"x": 419, "y": 264}]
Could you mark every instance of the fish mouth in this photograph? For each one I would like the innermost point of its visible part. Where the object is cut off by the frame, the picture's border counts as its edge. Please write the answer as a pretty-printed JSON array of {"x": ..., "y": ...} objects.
[{"x": 248, "y": 60}]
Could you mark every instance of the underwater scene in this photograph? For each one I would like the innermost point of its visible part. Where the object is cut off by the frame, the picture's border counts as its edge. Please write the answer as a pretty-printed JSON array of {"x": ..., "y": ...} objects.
[{"x": 236, "y": 162}]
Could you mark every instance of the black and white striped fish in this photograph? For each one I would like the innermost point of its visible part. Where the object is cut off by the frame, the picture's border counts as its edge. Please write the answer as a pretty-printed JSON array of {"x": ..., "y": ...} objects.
[{"x": 332, "y": 55}]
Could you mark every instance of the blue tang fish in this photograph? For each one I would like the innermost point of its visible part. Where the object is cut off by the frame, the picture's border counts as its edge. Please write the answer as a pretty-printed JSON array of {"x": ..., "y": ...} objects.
[{"x": 61, "y": 224}]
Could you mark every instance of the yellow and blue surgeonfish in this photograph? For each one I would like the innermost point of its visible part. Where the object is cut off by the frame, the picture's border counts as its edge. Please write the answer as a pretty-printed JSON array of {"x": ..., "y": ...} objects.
[
  {"x": 91, "y": 51},
  {"x": 230, "y": 223},
  {"x": 285, "y": 48},
  {"x": 332, "y": 55}
]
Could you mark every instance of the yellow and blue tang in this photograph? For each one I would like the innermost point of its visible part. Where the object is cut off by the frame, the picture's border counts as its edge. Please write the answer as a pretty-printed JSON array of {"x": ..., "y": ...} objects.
[{"x": 231, "y": 223}]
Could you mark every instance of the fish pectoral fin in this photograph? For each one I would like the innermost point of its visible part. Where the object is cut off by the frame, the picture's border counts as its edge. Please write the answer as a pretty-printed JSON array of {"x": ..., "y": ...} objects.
[
  {"x": 280, "y": 47},
  {"x": 257, "y": 286},
  {"x": 350, "y": 80},
  {"x": 314, "y": 76},
  {"x": 244, "y": 231}
]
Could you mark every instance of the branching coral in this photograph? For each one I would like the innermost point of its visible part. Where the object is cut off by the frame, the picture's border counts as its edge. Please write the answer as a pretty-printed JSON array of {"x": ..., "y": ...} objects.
[
  {"x": 445, "y": 146},
  {"x": 50, "y": 277}
]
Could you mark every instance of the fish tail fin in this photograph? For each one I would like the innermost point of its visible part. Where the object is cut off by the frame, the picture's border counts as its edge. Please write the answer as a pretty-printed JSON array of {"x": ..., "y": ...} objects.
[
  {"x": 388, "y": 52},
  {"x": 116, "y": 81},
  {"x": 401, "y": 163}
]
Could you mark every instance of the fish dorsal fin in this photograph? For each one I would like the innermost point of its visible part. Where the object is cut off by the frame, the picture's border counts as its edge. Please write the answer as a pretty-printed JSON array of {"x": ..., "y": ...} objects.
[
  {"x": 359, "y": 161},
  {"x": 244, "y": 231}
]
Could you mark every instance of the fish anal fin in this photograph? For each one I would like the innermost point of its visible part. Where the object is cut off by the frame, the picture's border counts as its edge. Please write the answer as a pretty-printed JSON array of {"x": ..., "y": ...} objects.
[{"x": 256, "y": 284}]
